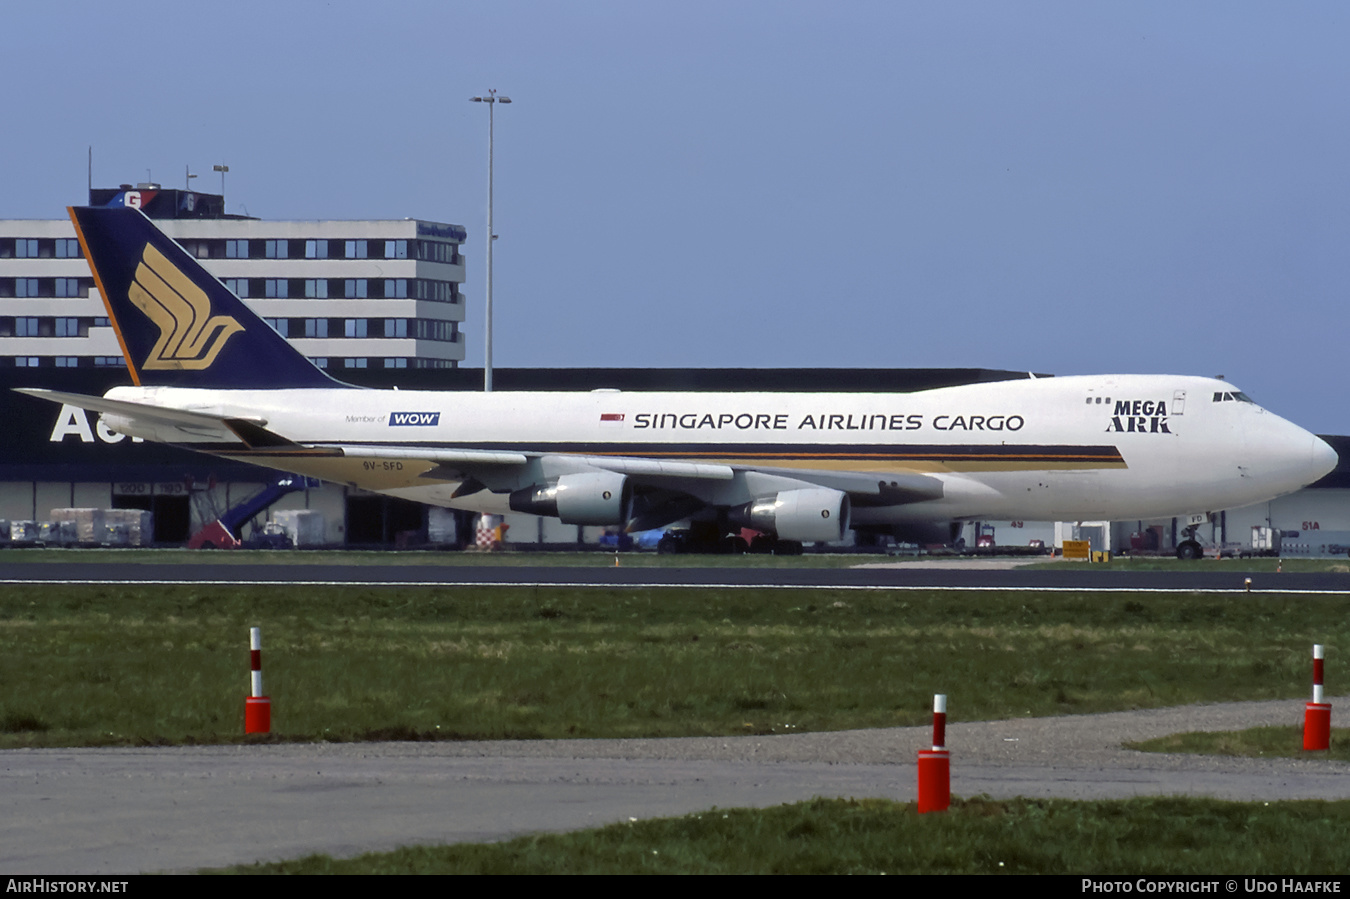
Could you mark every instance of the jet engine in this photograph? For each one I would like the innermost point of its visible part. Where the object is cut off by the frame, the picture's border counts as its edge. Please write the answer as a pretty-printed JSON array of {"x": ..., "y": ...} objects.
[
  {"x": 593, "y": 497},
  {"x": 807, "y": 516}
]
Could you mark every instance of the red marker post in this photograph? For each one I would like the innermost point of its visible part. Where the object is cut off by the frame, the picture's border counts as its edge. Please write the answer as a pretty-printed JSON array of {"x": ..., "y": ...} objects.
[
  {"x": 257, "y": 707},
  {"x": 1317, "y": 714},
  {"x": 935, "y": 773}
]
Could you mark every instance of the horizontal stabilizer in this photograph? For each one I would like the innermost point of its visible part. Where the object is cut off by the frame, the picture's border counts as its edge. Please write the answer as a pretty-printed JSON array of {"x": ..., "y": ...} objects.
[{"x": 193, "y": 424}]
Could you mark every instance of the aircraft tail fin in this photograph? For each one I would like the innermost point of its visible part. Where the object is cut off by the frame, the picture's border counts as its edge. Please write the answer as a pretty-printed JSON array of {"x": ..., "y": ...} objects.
[{"x": 178, "y": 325}]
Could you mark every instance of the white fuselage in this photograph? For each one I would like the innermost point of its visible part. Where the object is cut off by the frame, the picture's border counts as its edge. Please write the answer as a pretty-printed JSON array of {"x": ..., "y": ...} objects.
[{"x": 1109, "y": 447}]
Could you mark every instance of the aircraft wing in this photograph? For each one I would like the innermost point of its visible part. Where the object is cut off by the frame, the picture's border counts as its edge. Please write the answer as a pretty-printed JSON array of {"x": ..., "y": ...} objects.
[
  {"x": 660, "y": 491},
  {"x": 467, "y": 462},
  {"x": 507, "y": 468}
]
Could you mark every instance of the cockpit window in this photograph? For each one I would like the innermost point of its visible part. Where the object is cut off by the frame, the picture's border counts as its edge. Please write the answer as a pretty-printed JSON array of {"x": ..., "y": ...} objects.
[{"x": 1235, "y": 396}]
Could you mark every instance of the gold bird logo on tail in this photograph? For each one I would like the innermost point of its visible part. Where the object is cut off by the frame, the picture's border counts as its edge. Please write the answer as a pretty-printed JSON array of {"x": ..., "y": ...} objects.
[{"x": 190, "y": 337}]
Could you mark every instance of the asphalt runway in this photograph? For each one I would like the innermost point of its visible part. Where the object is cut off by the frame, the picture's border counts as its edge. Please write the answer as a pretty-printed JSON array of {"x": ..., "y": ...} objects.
[
  {"x": 110, "y": 811},
  {"x": 1206, "y": 576}
]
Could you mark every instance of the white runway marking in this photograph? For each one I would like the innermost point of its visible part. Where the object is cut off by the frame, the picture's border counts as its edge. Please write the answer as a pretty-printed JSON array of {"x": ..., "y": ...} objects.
[{"x": 654, "y": 586}]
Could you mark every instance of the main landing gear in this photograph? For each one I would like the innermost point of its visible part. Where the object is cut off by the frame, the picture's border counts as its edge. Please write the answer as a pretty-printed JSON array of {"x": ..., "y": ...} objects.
[
  {"x": 708, "y": 538},
  {"x": 1189, "y": 549}
]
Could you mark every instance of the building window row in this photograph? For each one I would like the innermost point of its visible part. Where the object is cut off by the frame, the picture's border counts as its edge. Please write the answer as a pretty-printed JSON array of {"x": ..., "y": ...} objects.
[
  {"x": 41, "y": 326},
  {"x": 437, "y": 251},
  {"x": 39, "y": 248},
  {"x": 255, "y": 248},
  {"x": 344, "y": 288},
  {"x": 366, "y": 362},
  {"x": 440, "y": 291},
  {"x": 419, "y": 328},
  {"x": 357, "y": 362},
  {"x": 45, "y": 287},
  {"x": 64, "y": 361},
  {"x": 288, "y": 248}
]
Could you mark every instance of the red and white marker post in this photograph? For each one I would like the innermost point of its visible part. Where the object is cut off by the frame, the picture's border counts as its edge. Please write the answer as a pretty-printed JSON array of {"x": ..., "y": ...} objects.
[
  {"x": 1317, "y": 714},
  {"x": 257, "y": 707},
  {"x": 935, "y": 771}
]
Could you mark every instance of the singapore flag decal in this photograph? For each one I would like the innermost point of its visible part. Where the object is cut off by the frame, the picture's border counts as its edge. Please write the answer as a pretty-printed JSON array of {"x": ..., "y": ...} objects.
[{"x": 611, "y": 419}]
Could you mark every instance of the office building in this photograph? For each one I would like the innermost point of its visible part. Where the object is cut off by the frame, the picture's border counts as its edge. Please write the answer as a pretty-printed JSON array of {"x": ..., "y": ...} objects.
[{"x": 380, "y": 294}]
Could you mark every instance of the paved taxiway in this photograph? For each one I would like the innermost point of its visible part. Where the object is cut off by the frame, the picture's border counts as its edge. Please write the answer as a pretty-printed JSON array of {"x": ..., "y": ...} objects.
[
  {"x": 132, "y": 810},
  {"x": 1207, "y": 576}
]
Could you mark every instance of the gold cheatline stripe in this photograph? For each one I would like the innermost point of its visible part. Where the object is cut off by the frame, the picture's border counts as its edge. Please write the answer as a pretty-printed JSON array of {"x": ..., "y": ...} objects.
[{"x": 904, "y": 457}]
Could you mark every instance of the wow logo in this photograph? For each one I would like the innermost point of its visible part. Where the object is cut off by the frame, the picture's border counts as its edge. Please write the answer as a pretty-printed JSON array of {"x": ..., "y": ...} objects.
[{"x": 414, "y": 419}]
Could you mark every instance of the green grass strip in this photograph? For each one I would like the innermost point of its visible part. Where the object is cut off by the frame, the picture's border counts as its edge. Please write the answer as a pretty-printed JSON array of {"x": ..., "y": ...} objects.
[
  {"x": 1256, "y": 742},
  {"x": 136, "y": 665},
  {"x": 874, "y": 836}
]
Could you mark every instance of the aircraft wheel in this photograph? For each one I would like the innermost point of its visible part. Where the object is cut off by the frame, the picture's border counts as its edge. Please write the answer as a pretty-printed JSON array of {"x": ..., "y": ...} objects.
[
  {"x": 735, "y": 546},
  {"x": 788, "y": 548},
  {"x": 1189, "y": 550},
  {"x": 762, "y": 544},
  {"x": 667, "y": 546}
]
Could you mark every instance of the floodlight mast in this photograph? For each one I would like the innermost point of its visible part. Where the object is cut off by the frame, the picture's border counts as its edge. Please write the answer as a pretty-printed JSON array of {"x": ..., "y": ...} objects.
[
  {"x": 222, "y": 169},
  {"x": 491, "y": 100}
]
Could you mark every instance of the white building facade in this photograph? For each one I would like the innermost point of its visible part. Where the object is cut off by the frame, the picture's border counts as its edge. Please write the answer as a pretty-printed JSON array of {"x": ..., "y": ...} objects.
[{"x": 348, "y": 294}]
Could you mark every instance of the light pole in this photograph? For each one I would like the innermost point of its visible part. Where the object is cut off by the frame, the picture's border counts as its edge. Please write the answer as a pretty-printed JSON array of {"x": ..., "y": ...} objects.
[
  {"x": 491, "y": 100},
  {"x": 222, "y": 169}
]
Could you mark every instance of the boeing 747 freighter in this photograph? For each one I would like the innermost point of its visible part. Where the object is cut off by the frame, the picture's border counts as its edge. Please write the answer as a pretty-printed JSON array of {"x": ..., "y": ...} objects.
[{"x": 210, "y": 375}]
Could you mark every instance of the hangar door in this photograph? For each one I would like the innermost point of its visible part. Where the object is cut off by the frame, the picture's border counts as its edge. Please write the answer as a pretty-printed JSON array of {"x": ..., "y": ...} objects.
[
  {"x": 173, "y": 514},
  {"x": 385, "y": 521}
]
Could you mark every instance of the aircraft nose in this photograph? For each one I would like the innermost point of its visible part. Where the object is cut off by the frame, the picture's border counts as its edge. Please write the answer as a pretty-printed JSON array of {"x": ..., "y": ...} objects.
[
  {"x": 1324, "y": 458},
  {"x": 1293, "y": 457}
]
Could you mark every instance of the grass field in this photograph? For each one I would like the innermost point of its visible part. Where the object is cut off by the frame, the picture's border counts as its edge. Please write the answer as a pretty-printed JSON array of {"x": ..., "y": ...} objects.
[
  {"x": 1257, "y": 742},
  {"x": 131, "y": 665},
  {"x": 976, "y": 836}
]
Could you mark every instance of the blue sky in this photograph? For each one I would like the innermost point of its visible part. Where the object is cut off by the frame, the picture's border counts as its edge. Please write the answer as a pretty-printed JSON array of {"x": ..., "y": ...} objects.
[{"x": 1065, "y": 187}]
